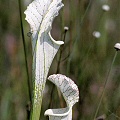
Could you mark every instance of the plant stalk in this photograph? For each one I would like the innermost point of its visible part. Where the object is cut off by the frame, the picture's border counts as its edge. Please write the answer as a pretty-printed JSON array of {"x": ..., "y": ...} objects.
[{"x": 105, "y": 83}]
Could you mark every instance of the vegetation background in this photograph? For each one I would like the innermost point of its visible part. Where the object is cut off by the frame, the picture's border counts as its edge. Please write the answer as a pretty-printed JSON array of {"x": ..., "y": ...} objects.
[{"x": 84, "y": 58}]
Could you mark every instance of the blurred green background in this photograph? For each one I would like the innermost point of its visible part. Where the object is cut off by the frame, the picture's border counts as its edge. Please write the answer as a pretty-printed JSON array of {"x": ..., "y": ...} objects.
[{"x": 85, "y": 58}]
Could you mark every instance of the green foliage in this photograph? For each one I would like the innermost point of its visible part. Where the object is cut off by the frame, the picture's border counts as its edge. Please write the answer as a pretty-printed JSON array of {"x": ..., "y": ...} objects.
[{"x": 87, "y": 63}]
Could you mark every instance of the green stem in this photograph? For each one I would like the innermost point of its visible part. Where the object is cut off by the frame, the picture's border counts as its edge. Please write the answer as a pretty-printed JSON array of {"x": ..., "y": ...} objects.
[
  {"x": 36, "y": 109},
  {"x": 25, "y": 55},
  {"x": 104, "y": 88}
]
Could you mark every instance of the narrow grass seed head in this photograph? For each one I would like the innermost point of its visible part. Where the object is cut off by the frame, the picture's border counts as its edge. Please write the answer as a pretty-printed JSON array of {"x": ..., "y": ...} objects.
[
  {"x": 106, "y": 7},
  {"x": 66, "y": 28},
  {"x": 117, "y": 46},
  {"x": 96, "y": 34}
]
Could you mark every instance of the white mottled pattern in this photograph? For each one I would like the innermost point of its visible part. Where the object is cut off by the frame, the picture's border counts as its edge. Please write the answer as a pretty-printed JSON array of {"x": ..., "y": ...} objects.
[
  {"x": 70, "y": 93},
  {"x": 68, "y": 88}
]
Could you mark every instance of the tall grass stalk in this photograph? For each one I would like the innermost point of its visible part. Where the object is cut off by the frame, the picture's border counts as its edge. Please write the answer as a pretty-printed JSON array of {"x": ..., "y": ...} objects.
[
  {"x": 24, "y": 47},
  {"x": 61, "y": 51},
  {"x": 104, "y": 87},
  {"x": 78, "y": 27}
]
